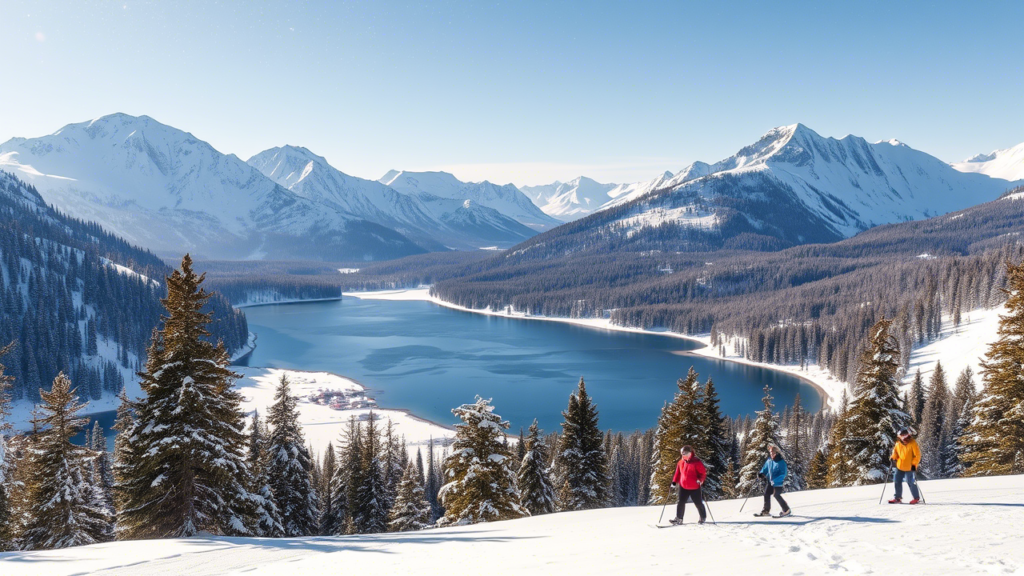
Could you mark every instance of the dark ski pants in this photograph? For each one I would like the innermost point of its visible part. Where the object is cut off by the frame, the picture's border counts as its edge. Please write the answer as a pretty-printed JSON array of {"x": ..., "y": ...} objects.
[
  {"x": 911, "y": 481},
  {"x": 776, "y": 491},
  {"x": 694, "y": 495}
]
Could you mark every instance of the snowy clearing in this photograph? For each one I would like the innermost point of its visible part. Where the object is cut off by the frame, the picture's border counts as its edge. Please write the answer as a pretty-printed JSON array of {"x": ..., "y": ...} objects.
[
  {"x": 322, "y": 424},
  {"x": 969, "y": 526}
]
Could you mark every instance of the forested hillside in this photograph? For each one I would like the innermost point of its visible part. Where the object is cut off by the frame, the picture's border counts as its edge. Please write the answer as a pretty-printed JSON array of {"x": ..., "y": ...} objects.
[
  {"x": 78, "y": 299},
  {"x": 811, "y": 303}
]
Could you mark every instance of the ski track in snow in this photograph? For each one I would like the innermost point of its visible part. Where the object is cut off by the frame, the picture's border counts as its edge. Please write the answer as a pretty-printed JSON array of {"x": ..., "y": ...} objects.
[{"x": 969, "y": 526}]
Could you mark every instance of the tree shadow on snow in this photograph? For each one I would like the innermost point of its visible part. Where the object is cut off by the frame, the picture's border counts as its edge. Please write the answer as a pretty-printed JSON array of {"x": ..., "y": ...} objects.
[{"x": 796, "y": 520}]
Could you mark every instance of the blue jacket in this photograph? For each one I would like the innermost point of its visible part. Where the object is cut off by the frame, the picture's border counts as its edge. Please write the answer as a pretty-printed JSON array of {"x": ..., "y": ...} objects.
[{"x": 775, "y": 470}]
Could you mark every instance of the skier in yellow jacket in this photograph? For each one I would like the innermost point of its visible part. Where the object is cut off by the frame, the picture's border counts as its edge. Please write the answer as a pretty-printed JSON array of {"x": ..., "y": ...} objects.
[{"x": 906, "y": 455}]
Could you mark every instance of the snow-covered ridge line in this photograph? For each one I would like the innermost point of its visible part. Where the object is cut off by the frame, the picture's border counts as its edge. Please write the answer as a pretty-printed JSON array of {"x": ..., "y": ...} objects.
[{"x": 828, "y": 387}]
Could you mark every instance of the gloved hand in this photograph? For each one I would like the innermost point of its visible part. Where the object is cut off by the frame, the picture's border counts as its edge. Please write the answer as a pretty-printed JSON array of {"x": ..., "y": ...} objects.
[
  {"x": 913, "y": 468},
  {"x": 892, "y": 462},
  {"x": 673, "y": 485},
  {"x": 761, "y": 476}
]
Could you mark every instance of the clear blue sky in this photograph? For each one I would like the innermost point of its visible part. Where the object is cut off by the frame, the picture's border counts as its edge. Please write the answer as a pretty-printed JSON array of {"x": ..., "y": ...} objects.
[{"x": 526, "y": 92}]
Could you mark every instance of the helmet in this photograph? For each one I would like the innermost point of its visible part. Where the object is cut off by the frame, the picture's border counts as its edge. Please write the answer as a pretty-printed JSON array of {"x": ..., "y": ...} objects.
[{"x": 905, "y": 432}]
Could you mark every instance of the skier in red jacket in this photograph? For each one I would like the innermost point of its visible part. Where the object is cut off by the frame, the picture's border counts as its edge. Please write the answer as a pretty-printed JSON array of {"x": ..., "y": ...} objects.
[{"x": 689, "y": 477}]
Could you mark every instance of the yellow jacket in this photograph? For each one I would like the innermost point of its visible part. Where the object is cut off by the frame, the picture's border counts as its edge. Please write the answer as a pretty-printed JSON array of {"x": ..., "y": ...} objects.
[{"x": 906, "y": 455}]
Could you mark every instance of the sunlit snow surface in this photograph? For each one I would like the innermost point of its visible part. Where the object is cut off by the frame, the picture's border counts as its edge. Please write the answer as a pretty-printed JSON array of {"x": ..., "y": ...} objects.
[{"x": 969, "y": 526}]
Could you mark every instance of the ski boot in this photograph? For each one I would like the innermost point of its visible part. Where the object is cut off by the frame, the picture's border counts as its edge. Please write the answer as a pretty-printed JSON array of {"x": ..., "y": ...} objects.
[
  {"x": 762, "y": 513},
  {"x": 896, "y": 501},
  {"x": 676, "y": 521},
  {"x": 785, "y": 513},
  {"x": 915, "y": 501}
]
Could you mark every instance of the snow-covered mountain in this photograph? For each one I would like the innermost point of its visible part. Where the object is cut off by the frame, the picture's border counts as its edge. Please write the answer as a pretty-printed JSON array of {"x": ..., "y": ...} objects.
[
  {"x": 507, "y": 199},
  {"x": 165, "y": 189},
  {"x": 838, "y": 187},
  {"x": 571, "y": 200},
  {"x": 431, "y": 221},
  {"x": 1007, "y": 164}
]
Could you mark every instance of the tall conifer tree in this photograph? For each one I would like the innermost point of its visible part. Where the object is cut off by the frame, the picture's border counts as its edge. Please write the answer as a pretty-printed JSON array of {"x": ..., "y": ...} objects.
[
  {"x": 411, "y": 510},
  {"x": 371, "y": 502},
  {"x": 6, "y": 465},
  {"x": 876, "y": 414},
  {"x": 713, "y": 447},
  {"x": 65, "y": 507},
  {"x": 994, "y": 442},
  {"x": 536, "y": 493},
  {"x": 189, "y": 471},
  {"x": 268, "y": 516},
  {"x": 935, "y": 429},
  {"x": 585, "y": 481},
  {"x": 797, "y": 447},
  {"x": 765, "y": 433},
  {"x": 683, "y": 422},
  {"x": 289, "y": 465},
  {"x": 480, "y": 482}
]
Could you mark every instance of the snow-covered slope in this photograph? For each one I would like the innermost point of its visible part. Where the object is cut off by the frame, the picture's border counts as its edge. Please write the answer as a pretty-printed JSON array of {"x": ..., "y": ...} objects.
[
  {"x": 968, "y": 526},
  {"x": 507, "y": 199},
  {"x": 1007, "y": 164},
  {"x": 431, "y": 221},
  {"x": 796, "y": 185},
  {"x": 570, "y": 200},
  {"x": 162, "y": 188}
]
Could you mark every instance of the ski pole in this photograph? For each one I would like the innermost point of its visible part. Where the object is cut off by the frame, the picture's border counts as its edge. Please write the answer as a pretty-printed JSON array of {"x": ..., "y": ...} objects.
[
  {"x": 748, "y": 498},
  {"x": 884, "y": 484},
  {"x": 707, "y": 505},
  {"x": 660, "y": 518}
]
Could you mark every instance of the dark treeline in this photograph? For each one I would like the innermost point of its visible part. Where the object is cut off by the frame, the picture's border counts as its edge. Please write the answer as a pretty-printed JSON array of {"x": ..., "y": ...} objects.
[
  {"x": 811, "y": 303},
  {"x": 69, "y": 308}
]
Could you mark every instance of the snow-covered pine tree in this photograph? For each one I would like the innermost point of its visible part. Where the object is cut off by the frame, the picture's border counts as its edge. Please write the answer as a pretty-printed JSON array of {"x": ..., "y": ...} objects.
[
  {"x": 125, "y": 459},
  {"x": 535, "y": 491},
  {"x": 934, "y": 431},
  {"x": 681, "y": 423},
  {"x": 840, "y": 468},
  {"x": 394, "y": 462},
  {"x": 65, "y": 508},
  {"x": 765, "y": 433},
  {"x": 797, "y": 447},
  {"x": 189, "y": 471},
  {"x": 817, "y": 472},
  {"x": 102, "y": 474},
  {"x": 585, "y": 481},
  {"x": 419, "y": 466},
  {"x": 713, "y": 447},
  {"x": 411, "y": 510},
  {"x": 6, "y": 466},
  {"x": 916, "y": 400},
  {"x": 431, "y": 483},
  {"x": 289, "y": 465},
  {"x": 480, "y": 483},
  {"x": 347, "y": 477},
  {"x": 876, "y": 414},
  {"x": 730, "y": 479},
  {"x": 268, "y": 516},
  {"x": 994, "y": 443},
  {"x": 959, "y": 414},
  {"x": 328, "y": 468},
  {"x": 370, "y": 505}
]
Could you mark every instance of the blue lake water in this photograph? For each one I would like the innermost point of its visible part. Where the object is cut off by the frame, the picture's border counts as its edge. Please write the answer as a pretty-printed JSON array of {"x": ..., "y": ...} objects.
[{"x": 429, "y": 359}]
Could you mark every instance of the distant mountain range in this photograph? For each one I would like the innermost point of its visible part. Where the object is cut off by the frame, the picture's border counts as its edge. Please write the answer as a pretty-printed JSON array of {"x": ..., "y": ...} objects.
[
  {"x": 791, "y": 187},
  {"x": 164, "y": 189},
  {"x": 1007, "y": 164}
]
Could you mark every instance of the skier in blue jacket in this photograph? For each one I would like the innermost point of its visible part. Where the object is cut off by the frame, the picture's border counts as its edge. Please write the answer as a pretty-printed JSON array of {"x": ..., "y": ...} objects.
[{"x": 774, "y": 475}]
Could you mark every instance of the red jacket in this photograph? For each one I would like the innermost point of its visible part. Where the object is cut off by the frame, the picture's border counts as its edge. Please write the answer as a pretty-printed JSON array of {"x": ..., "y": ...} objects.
[{"x": 690, "y": 474}]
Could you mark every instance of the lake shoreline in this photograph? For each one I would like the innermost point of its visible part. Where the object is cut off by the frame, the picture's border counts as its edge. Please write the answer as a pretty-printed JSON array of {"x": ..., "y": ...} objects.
[{"x": 829, "y": 389}]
